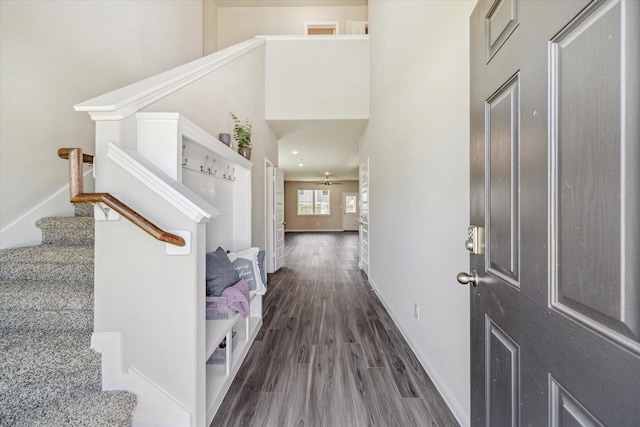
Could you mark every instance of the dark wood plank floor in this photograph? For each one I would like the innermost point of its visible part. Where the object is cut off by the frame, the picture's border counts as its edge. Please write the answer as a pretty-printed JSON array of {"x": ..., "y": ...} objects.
[{"x": 328, "y": 354}]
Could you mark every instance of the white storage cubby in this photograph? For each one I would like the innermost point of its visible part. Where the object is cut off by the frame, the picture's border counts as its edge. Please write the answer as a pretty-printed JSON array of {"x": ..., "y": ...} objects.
[
  {"x": 220, "y": 377},
  {"x": 221, "y": 177}
]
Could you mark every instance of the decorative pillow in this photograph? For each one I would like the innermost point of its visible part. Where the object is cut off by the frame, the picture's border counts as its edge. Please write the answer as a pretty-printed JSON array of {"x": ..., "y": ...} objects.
[
  {"x": 261, "y": 266},
  {"x": 246, "y": 265},
  {"x": 220, "y": 272}
]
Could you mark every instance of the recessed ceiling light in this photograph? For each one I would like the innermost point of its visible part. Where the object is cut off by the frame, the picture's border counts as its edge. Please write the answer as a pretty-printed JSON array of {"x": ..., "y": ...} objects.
[
  {"x": 300, "y": 164},
  {"x": 326, "y": 173},
  {"x": 294, "y": 152}
]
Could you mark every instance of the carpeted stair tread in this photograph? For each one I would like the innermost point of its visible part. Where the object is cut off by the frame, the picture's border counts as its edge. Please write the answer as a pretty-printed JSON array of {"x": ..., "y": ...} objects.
[
  {"x": 40, "y": 367},
  {"x": 48, "y": 254},
  {"x": 67, "y": 231},
  {"x": 37, "y": 296},
  {"x": 59, "y": 263},
  {"x": 83, "y": 209},
  {"x": 96, "y": 409},
  {"x": 40, "y": 353},
  {"x": 50, "y": 307},
  {"x": 51, "y": 321}
]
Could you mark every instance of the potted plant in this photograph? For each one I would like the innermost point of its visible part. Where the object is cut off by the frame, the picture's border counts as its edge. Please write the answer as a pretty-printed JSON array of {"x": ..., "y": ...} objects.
[{"x": 242, "y": 135}]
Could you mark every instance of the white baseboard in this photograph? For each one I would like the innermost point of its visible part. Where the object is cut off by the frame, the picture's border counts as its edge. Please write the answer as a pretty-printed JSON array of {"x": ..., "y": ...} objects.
[
  {"x": 324, "y": 230},
  {"x": 155, "y": 408},
  {"x": 109, "y": 345},
  {"x": 452, "y": 402},
  {"x": 23, "y": 231}
]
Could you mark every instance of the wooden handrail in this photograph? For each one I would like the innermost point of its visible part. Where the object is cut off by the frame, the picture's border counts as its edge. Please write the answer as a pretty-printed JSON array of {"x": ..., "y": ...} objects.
[
  {"x": 77, "y": 195},
  {"x": 63, "y": 153}
]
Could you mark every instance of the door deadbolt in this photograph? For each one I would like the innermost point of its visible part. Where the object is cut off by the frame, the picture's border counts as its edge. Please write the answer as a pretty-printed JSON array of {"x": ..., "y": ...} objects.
[{"x": 475, "y": 239}]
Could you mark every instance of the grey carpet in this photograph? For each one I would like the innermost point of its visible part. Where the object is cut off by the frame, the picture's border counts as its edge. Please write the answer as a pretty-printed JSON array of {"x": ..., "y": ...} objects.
[{"x": 49, "y": 376}]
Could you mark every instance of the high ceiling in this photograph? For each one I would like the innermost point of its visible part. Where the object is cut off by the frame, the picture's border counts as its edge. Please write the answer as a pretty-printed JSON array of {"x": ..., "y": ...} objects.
[{"x": 320, "y": 146}]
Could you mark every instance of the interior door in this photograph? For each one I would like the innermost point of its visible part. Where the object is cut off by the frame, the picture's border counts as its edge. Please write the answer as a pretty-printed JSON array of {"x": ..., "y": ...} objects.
[
  {"x": 555, "y": 149},
  {"x": 364, "y": 217},
  {"x": 350, "y": 217},
  {"x": 279, "y": 219}
]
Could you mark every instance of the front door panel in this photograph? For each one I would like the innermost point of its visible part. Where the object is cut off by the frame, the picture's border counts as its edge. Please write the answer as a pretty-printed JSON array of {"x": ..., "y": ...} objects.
[
  {"x": 502, "y": 111},
  {"x": 555, "y": 149}
]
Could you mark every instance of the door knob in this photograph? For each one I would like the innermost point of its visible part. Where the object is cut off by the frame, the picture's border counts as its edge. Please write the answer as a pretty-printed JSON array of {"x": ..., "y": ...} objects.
[{"x": 465, "y": 279}]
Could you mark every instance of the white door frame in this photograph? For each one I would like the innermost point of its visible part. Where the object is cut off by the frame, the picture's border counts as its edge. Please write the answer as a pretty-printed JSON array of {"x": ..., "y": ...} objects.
[
  {"x": 270, "y": 217},
  {"x": 279, "y": 218},
  {"x": 365, "y": 236}
]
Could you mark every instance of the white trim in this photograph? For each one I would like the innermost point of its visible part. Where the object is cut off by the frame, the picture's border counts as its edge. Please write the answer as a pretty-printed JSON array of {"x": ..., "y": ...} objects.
[
  {"x": 155, "y": 407},
  {"x": 23, "y": 230},
  {"x": 324, "y": 230},
  {"x": 175, "y": 193},
  {"x": 123, "y": 102},
  {"x": 270, "y": 215},
  {"x": 295, "y": 38},
  {"x": 109, "y": 345},
  {"x": 325, "y": 25},
  {"x": 450, "y": 400}
]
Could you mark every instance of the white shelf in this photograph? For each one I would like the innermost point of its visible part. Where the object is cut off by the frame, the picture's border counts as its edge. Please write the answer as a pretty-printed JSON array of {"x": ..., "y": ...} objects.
[
  {"x": 217, "y": 329},
  {"x": 218, "y": 382}
]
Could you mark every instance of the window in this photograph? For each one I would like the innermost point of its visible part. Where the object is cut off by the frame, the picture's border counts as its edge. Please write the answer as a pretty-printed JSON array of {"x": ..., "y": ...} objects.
[
  {"x": 313, "y": 202},
  {"x": 351, "y": 204}
]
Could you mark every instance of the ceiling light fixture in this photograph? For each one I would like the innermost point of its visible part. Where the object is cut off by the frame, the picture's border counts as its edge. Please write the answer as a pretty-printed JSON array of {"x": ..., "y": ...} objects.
[
  {"x": 300, "y": 164},
  {"x": 294, "y": 152}
]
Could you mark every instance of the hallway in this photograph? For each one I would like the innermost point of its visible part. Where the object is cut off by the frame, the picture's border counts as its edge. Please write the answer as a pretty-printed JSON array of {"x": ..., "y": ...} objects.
[{"x": 328, "y": 353}]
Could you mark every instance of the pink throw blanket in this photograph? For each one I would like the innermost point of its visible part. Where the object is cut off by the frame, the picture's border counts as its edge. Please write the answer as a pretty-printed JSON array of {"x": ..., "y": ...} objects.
[{"x": 238, "y": 297}]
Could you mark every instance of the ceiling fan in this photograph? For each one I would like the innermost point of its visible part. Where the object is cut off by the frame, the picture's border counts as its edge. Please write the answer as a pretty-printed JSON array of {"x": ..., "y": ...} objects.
[{"x": 327, "y": 182}]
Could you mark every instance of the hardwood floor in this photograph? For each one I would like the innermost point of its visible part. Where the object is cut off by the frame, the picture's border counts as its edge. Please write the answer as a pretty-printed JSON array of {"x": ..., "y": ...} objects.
[{"x": 328, "y": 354}]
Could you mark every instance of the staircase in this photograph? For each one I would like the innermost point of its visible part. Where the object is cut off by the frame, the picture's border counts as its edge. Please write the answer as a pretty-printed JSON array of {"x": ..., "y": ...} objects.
[{"x": 49, "y": 376}]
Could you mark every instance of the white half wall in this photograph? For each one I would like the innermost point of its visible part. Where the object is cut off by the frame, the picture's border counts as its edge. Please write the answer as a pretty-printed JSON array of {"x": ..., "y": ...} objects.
[
  {"x": 417, "y": 142},
  {"x": 54, "y": 54}
]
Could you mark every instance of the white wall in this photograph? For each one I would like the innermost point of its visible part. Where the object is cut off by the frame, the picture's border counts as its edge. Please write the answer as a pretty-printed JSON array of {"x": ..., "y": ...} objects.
[
  {"x": 417, "y": 142},
  {"x": 237, "y": 87},
  {"x": 54, "y": 54},
  {"x": 236, "y": 24},
  {"x": 209, "y": 26},
  {"x": 311, "y": 79}
]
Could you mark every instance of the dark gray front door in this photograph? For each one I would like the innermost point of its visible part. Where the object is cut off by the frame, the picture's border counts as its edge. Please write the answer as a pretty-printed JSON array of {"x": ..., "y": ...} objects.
[{"x": 555, "y": 185}]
